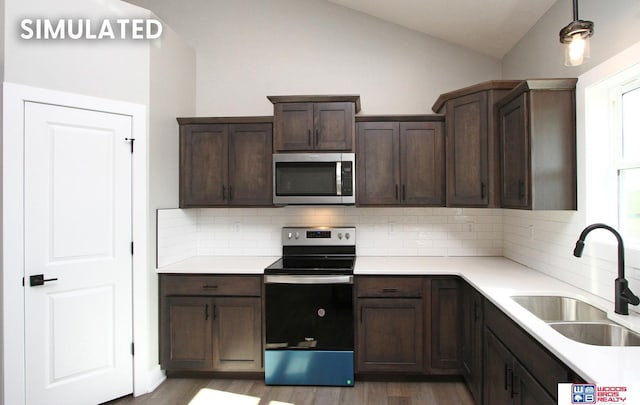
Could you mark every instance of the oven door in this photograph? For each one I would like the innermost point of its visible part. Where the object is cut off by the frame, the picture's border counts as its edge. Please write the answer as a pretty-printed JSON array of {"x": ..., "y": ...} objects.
[{"x": 309, "y": 330}]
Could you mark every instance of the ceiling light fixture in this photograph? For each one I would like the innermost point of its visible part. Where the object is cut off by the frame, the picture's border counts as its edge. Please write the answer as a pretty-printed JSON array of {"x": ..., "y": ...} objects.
[{"x": 575, "y": 37}]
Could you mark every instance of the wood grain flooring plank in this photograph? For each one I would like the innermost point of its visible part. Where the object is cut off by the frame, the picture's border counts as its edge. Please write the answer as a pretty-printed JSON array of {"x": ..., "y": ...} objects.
[
  {"x": 375, "y": 393},
  {"x": 182, "y": 391}
]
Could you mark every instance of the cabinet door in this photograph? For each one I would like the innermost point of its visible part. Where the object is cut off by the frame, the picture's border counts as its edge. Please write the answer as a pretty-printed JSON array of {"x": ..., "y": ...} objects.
[
  {"x": 250, "y": 167},
  {"x": 527, "y": 391},
  {"x": 237, "y": 334},
  {"x": 472, "y": 341},
  {"x": 203, "y": 165},
  {"x": 187, "y": 328},
  {"x": 467, "y": 150},
  {"x": 444, "y": 325},
  {"x": 498, "y": 371},
  {"x": 334, "y": 126},
  {"x": 422, "y": 163},
  {"x": 293, "y": 126},
  {"x": 389, "y": 335},
  {"x": 514, "y": 137},
  {"x": 377, "y": 165}
]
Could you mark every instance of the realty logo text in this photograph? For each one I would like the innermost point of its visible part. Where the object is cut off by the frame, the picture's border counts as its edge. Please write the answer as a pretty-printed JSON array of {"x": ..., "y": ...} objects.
[
  {"x": 85, "y": 28},
  {"x": 593, "y": 394}
]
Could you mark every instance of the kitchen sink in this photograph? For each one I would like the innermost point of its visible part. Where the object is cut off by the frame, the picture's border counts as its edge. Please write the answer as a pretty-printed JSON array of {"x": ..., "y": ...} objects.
[
  {"x": 555, "y": 308},
  {"x": 597, "y": 333}
]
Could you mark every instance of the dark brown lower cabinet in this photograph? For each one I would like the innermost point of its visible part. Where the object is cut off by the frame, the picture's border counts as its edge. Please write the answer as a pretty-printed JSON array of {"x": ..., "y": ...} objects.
[
  {"x": 471, "y": 340},
  {"x": 517, "y": 369},
  {"x": 508, "y": 382},
  {"x": 408, "y": 325},
  {"x": 389, "y": 335},
  {"x": 236, "y": 334},
  {"x": 187, "y": 333},
  {"x": 210, "y": 323},
  {"x": 442, "y": 326}
]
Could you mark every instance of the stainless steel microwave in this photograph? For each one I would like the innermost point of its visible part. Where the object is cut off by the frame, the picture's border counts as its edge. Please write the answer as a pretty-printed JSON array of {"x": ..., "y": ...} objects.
[{"x": 314, "y": 178}]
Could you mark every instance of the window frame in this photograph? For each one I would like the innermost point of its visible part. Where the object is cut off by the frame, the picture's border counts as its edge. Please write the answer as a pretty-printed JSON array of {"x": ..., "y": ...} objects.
[{"x": 619, "y": 162}]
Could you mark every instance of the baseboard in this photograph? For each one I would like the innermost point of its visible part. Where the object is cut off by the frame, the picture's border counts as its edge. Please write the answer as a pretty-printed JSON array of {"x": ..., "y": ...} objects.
[{"x": 154, "y": 378}]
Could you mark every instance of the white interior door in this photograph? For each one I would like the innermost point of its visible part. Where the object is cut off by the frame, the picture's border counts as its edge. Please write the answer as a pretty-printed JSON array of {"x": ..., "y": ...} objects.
[{"x": 77, "y": 210}]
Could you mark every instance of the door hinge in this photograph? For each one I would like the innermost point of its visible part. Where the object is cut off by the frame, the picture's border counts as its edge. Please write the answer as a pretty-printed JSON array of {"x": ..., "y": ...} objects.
[
  {"x": 130, "y": 140},
  {"x": 131, "y": 248},
  {"x": 133, "y": 350}
]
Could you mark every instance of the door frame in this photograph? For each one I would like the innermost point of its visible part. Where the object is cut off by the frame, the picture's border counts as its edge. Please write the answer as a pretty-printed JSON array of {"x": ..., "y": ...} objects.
[{"x": 12, "y": 238}]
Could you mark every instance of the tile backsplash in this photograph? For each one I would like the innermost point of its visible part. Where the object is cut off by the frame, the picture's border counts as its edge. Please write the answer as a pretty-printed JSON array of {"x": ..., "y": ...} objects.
[
  {"x": 541, "y": 240},
  {"x": 380, "y": 231}
]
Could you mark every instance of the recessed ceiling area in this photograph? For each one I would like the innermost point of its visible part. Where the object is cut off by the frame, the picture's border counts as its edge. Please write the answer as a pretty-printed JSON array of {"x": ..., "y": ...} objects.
[{"x": 491, "y": 27}]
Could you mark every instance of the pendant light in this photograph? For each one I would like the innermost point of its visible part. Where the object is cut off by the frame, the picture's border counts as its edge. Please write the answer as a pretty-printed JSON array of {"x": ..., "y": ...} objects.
[{"x": 575, "y": 37}]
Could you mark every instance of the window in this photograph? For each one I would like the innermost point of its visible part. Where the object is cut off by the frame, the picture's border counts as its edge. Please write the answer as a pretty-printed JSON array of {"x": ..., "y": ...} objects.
[
  {"x": 611, "y": 166},
  {"x": 626, "y": 135}
]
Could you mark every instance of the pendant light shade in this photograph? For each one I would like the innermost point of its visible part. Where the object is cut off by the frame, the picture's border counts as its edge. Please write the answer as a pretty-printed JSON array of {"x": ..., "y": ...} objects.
[{"x": 575, "y": 37}]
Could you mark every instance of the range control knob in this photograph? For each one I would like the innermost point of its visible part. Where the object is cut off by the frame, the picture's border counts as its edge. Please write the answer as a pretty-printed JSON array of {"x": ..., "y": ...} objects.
[
  {"x": 297, "y": 235},
  {"x": 347, "y": 235},
  {"x": 289, "y": 235},
  {"x": 340, "y": 235}
]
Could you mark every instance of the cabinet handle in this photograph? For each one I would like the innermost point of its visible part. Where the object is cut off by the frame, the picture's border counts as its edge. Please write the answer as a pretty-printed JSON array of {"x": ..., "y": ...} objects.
[
  {"x": 508, "y": 377},
  {"x": 215, "y": 311},
  {"x": 210, "y": 287},
  {"x": 361, "y": 314},
  {"x": 396, "y": 192},
  {"x": 309, "y": 137},
  {"x": 224, "y": 192},
  {"x": 317, "y": 136},
  {"x": 206, "y": 312},
  {"x": 404, "y": 193},
  {"x": 515, "y": 385},
  {"x": 521, "y": 190},
  {"x": 476, "y": 312},
  {"x": 483, "y": 190},
  {"x": 389, "y": 290},
  {"x": 230, "y": 192}
]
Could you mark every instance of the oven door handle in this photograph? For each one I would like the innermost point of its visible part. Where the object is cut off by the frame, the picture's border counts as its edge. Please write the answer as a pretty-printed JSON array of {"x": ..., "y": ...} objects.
[{"x": 308, "y": 279}]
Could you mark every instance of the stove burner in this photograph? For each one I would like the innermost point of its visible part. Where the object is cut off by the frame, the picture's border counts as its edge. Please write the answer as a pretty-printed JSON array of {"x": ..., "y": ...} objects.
[{"x": 316, "y": 251}]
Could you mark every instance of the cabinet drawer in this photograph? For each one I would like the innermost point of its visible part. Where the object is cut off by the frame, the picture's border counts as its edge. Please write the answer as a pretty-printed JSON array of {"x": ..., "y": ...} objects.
[
  {"x": 380, "y": 287},
  {"x": 178, "y": 284}
]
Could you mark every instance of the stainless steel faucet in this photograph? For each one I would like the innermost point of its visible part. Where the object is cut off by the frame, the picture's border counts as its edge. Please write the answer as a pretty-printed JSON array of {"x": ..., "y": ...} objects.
[{"x": 623, "y": 295}]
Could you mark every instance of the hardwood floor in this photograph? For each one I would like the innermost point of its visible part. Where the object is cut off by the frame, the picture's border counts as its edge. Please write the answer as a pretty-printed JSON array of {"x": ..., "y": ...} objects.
[{"x": 191, "y": 391}]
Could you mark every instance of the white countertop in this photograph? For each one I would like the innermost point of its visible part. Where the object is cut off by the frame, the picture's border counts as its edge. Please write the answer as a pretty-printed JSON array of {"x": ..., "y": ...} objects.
[
  {"x": 220, "y": 265},
  {"x": 497, "y": 278}
]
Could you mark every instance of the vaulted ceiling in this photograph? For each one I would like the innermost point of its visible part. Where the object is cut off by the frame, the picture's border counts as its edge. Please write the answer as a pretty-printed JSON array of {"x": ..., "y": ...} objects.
[{"x": 491, "y": 27}]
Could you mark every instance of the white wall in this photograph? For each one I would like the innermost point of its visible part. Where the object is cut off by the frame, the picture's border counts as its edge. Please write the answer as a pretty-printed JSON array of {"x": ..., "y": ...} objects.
[
  {"x": 249, "y": 49},
  {"x": 110, "y": 69},
  {"x": 160, "y": 75},
  {"x": 172, "y": 94},
  {"x": 540, "y": 54},
  {"x": 545, "y": 240},
  {"x": 1, "y": 200}
]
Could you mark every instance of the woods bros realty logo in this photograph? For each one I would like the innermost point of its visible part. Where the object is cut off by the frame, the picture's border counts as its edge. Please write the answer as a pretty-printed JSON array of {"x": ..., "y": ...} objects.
[
  {"x": 85, "y": 28},
  {"x": 596, "y": 394}
]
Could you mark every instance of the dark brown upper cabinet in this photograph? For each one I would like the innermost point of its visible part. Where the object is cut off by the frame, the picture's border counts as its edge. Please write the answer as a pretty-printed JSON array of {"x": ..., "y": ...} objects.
[
  {"x": 225, "y": 162},
  {"x": 400, "y": 160},
  {"x": 314, "y": 123},
  {"x": 472, "y": 146},
  {"x": 538, "y": 145}
]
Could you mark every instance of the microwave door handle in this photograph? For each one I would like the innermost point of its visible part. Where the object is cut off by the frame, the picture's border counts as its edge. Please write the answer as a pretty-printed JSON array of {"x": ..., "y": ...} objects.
[{"x": 338, "y": 178}]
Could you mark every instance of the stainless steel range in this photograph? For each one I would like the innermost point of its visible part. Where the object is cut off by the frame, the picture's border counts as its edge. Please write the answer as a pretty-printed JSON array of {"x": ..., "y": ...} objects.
[{"x": 309, "y": 308}]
